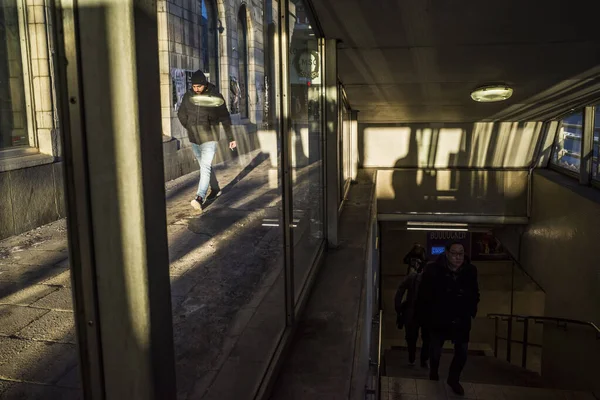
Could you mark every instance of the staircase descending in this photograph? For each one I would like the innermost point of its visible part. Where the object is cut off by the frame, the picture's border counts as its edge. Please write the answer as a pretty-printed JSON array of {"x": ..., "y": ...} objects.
[{"x": 484, "y": 378}]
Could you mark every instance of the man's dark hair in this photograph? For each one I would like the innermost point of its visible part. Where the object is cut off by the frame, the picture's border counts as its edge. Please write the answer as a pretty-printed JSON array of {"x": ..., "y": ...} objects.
[{"x": 450, "y": 244}]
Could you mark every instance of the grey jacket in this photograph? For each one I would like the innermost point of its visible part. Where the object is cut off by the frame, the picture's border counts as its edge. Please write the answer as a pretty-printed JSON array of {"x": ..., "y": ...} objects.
[{"x": 202, "y": 123}]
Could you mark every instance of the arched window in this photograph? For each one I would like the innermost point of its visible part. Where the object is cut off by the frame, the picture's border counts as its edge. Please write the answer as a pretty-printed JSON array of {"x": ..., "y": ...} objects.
[
  {"x": 242, "y": 46},
  {"x": 209, "y": 42}
]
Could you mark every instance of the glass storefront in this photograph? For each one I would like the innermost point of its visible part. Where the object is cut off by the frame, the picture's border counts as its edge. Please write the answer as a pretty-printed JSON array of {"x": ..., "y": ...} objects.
[
  {"x": 13, "y": 121},
  {"x": 228, "y": 264},
  {"x": 306, "y": 140},
  {"x": 234, "y": 284}
]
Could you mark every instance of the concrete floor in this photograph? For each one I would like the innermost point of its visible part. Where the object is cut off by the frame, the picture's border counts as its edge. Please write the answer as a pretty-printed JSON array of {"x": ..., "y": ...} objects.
[
  {"x": 227, "y": 289},
  {"x": 421, "y": 389}
]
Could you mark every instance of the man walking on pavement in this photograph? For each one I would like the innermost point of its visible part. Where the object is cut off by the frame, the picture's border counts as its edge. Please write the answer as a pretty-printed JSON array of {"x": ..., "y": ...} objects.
[
  {"x": 447, "y": 302},
  {"x": 202, "y": 125}
]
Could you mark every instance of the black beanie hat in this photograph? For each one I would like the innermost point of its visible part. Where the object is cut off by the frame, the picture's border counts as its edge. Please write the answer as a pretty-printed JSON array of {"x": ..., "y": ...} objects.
[{"x": 198, "y": 78}]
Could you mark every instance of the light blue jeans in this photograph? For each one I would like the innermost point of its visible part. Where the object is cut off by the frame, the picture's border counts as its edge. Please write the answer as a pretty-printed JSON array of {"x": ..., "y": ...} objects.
[{"x": 205, "y": 153}]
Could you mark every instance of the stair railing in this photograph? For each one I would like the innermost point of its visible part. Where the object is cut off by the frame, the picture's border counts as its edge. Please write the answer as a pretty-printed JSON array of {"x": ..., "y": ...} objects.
[{"x": 560, "y": 323}]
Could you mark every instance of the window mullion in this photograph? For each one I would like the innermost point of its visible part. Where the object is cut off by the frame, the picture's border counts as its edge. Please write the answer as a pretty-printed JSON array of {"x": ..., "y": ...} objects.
[{"x": 587, "y": 145}]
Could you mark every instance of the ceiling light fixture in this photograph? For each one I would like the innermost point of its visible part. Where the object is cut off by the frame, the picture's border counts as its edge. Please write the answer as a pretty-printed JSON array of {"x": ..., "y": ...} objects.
[
  {"x": 426, "y": 228},
  {"x": 492, "y": 93}
]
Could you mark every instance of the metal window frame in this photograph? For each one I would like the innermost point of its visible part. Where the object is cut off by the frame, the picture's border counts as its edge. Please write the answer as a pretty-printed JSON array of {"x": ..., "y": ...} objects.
[
  {"x": 587, "y": 144},
  {"x": 551, "y": 163},
  {"x": 99, "y": 341},
  {"x": 594, "y": 181},
  {"x": 284, "y": 116}
]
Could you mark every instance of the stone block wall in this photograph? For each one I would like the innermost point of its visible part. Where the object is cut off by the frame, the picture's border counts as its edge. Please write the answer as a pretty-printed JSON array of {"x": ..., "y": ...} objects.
[
  {"x": 30, "y": 197},
  {"x": 180, "y": 41}
]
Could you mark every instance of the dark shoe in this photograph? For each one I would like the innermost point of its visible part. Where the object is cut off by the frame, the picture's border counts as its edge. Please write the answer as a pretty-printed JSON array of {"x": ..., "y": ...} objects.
[
  {"x": 213, "y": 194},
  {"x": 434, "y": 376},
  {"x": 456, "y": 388},
  {"x": 411, "y": 359},
  {"x": 424, "y": 364}
]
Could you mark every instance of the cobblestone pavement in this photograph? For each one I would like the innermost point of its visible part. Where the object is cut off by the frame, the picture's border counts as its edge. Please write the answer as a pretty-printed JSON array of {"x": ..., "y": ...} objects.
[{"x": 218, "y": 259}]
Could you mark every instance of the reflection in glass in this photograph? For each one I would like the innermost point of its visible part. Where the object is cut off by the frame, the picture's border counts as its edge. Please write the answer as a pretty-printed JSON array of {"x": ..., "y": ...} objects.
[
  {"x": 226, "y": 262},
  {"x": 242, "y": 48},
  {"x": 13, "y": 119},
  {"x": 567, "y": 149},
  {"x": 209, "y": 42},
  {"x": 596, "y": 152},
  {"x": 306, "y": 143},
  {"x": 346, "y": 146}
]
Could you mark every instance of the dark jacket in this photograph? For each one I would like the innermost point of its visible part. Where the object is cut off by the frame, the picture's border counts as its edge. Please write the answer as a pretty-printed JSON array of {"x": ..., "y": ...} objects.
[
  {"x": 447, "y": 301},
  {"x": 410, "y": 286},
  {"x": 202, "y": 123},
  {"x": 415, "y": 260}
]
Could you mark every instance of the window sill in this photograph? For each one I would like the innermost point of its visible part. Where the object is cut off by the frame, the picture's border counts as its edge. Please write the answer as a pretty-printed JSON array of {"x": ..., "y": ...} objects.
[{"x": 26, "y": 161}]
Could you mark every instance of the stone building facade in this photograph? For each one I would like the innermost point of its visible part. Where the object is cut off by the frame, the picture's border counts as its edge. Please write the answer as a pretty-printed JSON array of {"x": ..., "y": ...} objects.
[{"x": 224, "y": 38}]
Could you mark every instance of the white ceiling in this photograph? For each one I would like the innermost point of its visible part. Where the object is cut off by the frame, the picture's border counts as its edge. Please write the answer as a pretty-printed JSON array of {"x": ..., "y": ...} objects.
[{"x": 418, "y": 60}]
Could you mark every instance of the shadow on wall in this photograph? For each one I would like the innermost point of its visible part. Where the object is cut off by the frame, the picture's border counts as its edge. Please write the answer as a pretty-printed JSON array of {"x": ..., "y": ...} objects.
[
  {"x": 478, "y": 145},
  {"x": 479, "y": 169}
]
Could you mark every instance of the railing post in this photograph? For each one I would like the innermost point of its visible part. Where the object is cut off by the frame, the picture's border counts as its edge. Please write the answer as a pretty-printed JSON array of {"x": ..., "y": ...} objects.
[
  {"x": 525, "y": 342},
  {"x": 509, "y": 340},
  {"x": 496, "y": 337}
]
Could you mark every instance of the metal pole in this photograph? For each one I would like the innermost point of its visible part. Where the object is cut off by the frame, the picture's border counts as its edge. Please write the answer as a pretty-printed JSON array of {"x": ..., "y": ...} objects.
[
  {"x": 525, "y": 342},
  {"x": 496, "y": 337},
  {"x": 510, "y": 320},
  {"x": 285, "y": 129},
  {"x": 509, "y": 340},
  {"x": 587, "y": 146},
  {"x": 116, "y": 209}
]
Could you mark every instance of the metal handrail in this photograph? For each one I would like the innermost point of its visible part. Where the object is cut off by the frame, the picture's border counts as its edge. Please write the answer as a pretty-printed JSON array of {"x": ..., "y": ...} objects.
[
  {"x": 549, "y": 319},
  {"x": 538, "y": 319},
  {"x": 377, "y": 364}
]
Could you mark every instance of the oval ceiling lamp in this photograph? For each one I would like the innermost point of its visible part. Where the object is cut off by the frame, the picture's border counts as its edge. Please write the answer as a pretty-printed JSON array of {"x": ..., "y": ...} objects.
[{"x": 492, "y": 93}]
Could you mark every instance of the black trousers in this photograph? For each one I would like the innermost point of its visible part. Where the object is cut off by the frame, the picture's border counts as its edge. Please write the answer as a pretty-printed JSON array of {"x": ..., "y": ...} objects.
[
  {"x": 412, "y": 334},
  {"x": 458, "y": 361}
]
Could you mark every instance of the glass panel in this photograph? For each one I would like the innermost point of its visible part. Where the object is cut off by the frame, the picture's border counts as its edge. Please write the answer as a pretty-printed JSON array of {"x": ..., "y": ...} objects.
[
  {"x": 227, "y": 258},
  {"x": 346, "y": 145},
  {"x": 306, "y": 141},
  {"x": 567, "y": 149},
  {"x": 13, "y": 119},
  {"x": 596, "y": 157},
  {"x": 242, "y": 46},
  {"x": 209, "y": 42},
  {"x": 38, "y": 356}
]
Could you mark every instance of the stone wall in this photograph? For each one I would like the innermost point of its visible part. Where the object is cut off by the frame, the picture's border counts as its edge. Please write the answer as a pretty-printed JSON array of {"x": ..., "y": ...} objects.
[
  {"x": 30, "y": 197},
  {"x": 181, "y": 37}
]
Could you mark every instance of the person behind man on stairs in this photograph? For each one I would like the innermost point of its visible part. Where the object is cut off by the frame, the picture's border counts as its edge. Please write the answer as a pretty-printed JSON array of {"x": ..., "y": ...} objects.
[
  {"x": 405, "y": 310},
  {"x": 447, "y": 302},
  {"x": 202, "y": 126},
  {"x": 416, "y": 258}
]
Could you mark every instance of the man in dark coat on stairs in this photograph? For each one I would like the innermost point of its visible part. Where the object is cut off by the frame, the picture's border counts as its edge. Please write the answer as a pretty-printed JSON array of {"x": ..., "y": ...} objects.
[{"x": 447, "y": 302}]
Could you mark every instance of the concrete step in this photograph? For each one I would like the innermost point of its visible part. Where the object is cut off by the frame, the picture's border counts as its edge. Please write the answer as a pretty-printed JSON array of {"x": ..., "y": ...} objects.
[
  {"x": 408, "y": 388},
  {"x": 479, "y": 369}
]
